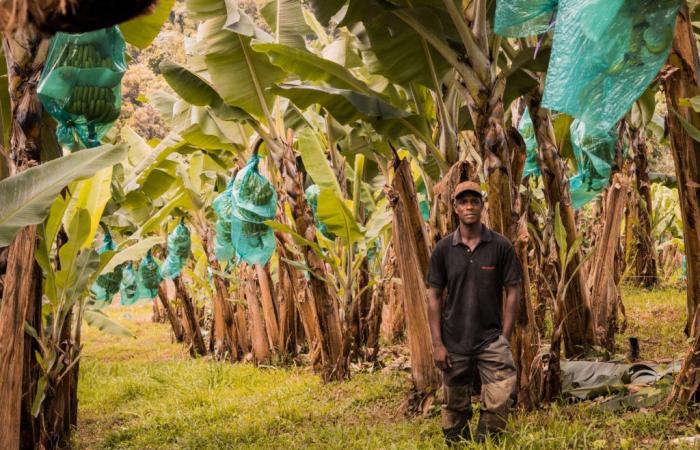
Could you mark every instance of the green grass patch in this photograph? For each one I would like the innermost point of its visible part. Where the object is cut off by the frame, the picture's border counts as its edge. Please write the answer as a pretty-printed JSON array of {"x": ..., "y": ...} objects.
[
  {"x": 147, "y": 393},
  {"x": 657, "y": 319}
]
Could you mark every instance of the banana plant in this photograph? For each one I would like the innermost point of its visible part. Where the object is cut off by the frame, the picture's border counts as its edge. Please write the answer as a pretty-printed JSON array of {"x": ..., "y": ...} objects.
[
  {"x": 26, "y": 198},
  {"x": 70, "y": 266},
  {"x": 551, "y": 378}
]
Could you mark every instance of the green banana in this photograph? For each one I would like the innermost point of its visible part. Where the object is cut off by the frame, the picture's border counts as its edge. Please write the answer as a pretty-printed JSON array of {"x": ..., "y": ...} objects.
[{"x": 94, "y": 103}]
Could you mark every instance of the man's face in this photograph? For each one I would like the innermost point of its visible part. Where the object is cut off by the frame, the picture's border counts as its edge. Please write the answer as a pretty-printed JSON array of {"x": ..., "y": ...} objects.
[{"x": 468, "y": 208}]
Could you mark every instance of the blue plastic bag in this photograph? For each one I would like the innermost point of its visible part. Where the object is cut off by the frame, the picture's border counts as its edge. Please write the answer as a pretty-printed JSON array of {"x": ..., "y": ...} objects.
[
  {"x": 223, "y": 206},
  {"x": 527, "y": 131},
  {"x": 148, "y": 277},
  {"x": 80, "y": 84},
  {"x": 605, "y": 53},
  {"x": 594, "y": 152},
  {"x": 128, "y": 287},
  {"x": 520, "y": 18},
  {"x": 253, "y": 201},
  {"x": 179, "y": 244},
  {"x": 107, "y": 285}
]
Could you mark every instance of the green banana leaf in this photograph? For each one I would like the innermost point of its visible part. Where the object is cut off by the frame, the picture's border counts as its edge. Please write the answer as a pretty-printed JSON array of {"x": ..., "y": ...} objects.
[
  {"x": 344, "y": 105},
  {"x": 311, "y": 67},
  {"x": 239, "y": 73},
  {"x": 287, "y": 19},
  {"x": 141, "y": 31},
  {"x": 25, "y": 199},
  {"x": 338, "y": 217},
  {"x": 313, "y": 155}
]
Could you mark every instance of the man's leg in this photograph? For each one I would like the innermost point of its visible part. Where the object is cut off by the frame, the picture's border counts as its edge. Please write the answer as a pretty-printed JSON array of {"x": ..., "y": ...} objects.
[
  {"x": 498, "y": 383},
  {"x": 457, "y": 407}
]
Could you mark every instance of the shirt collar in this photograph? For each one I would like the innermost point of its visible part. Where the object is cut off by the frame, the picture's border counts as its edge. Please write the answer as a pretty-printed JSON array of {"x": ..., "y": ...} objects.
[{"x": 486, "y": 235}]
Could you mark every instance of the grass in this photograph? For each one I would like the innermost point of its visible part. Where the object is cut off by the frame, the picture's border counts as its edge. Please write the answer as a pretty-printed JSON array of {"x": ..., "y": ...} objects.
[
  {"x": 657, "y": 318},
  {"x": 147, "y": 393}
]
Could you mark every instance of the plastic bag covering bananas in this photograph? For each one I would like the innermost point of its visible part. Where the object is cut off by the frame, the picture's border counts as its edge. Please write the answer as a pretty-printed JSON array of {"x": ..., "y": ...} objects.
[
  {"x": 594, "y": 152},
  {"x": 106, "y": 285},
  {"x": 520, "y": 18},
  {"x": 223, "y": 245},
  {"x": 148, "y": 277},
  {"x": 527, "y": 131},
  {"x": 80, "y": 85},
  {"x": 605, "y": 53},
  {"x": 253, "y": 201},
  {"x": 179, "y": 243},
  {"x": 128, "y": 288}
]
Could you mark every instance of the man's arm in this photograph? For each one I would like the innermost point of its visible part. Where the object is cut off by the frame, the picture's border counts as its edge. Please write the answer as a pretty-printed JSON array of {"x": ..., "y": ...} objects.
[
  {"x": 440, "y": 355},
  {"x": 511, "y": 309}
]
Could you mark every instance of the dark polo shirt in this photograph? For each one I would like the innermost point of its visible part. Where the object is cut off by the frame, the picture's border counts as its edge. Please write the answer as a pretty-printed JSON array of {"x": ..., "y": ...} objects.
[{"x": 472, "y": 314}]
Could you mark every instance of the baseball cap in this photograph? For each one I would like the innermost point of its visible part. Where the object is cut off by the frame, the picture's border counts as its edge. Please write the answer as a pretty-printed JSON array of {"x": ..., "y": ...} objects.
[{"x": 467, "y": 186}]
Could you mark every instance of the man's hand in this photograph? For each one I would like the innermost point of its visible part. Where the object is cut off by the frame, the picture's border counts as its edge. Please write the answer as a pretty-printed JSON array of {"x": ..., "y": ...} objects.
[
  {"x": 510, "y": 312},
  {"x": 441, "y": 357}
]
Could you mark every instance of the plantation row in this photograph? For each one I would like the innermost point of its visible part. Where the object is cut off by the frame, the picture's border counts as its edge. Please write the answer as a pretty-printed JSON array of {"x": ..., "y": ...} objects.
[{"x": 290, "y": 212}]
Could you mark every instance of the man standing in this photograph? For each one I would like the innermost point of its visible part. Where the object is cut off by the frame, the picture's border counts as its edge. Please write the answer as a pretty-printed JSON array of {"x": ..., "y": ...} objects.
[{"x": 471, "y": 329}]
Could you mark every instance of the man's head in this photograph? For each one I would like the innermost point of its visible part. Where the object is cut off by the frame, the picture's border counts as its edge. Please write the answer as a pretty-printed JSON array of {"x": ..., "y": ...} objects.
[{"x": 468, "y": 202}]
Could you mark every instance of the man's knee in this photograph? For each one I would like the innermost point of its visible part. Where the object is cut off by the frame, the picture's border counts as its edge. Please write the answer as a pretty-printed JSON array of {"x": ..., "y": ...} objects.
[{"x": 457, "y": 408}]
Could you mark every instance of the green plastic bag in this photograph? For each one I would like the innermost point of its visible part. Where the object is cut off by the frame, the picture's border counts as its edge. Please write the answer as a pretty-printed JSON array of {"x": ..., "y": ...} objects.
[
  {"x": 604, "y": 55},
  {"x": 254, "y": 197},
  {"x": 148, "y": 277},
  {"x": 255, "y": 242},
  {"x": 179, "y": 243},
  {"x": 527, "y": 131},
  {"x": 253, "y": 201},
  {"x": 80, "y": 85},
  {"x": 107, "y": 244},
  {"x": 223, "y": 245},
  {"x": 106, "y": 285},
  {"x": 594, "y": 152},
  {"x": 520, "y": 18},
  {"x": 128, "y": 287}
]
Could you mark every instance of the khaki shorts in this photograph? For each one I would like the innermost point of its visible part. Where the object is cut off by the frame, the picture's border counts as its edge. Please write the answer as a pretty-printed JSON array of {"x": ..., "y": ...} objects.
[{"x": 498, "y": 382}]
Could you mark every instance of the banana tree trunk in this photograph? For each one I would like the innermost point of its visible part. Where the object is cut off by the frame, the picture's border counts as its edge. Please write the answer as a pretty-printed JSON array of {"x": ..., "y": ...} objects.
[
  {"x": 178, "y": 332},
  {"x": 373, "y": 321},
  {"x": 641, "y": 244},
  {"x": 681, "y": 79},
  {"x": 410, "y": 242},
  {"x": 197, "y": 346},
  {"x": 157, "y": 315},
  {"x": 269, "y": 308},
  {"x": 55, "y": 415},
  {"x": 258, "y": 333},
  {"x": 25, "y": 53},
  {"x": 30, "y": 428},
  {"x": 242, "y": 336},
  {"x": 320, "y": 298},
  {"x": 503, "y": 155},
  {"x": 578, "y": 336},
  {"x": 295, "y": 287},
  {"x": 526, "y": 338},
  {"x": 604, "y": 289},
  {"x": 286, "y": 295},
  {"x": 393, "y": 321},
  {"x": 222, "y": 329}
]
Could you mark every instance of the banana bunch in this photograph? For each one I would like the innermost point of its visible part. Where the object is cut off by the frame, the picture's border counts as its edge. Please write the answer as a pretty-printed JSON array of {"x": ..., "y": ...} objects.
[
  {"x": 254, "y": 229},
  {"x": 259, "y": 190},
  {"x": 94, "y": 103},
  {"x": 84, "y": 56}
]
